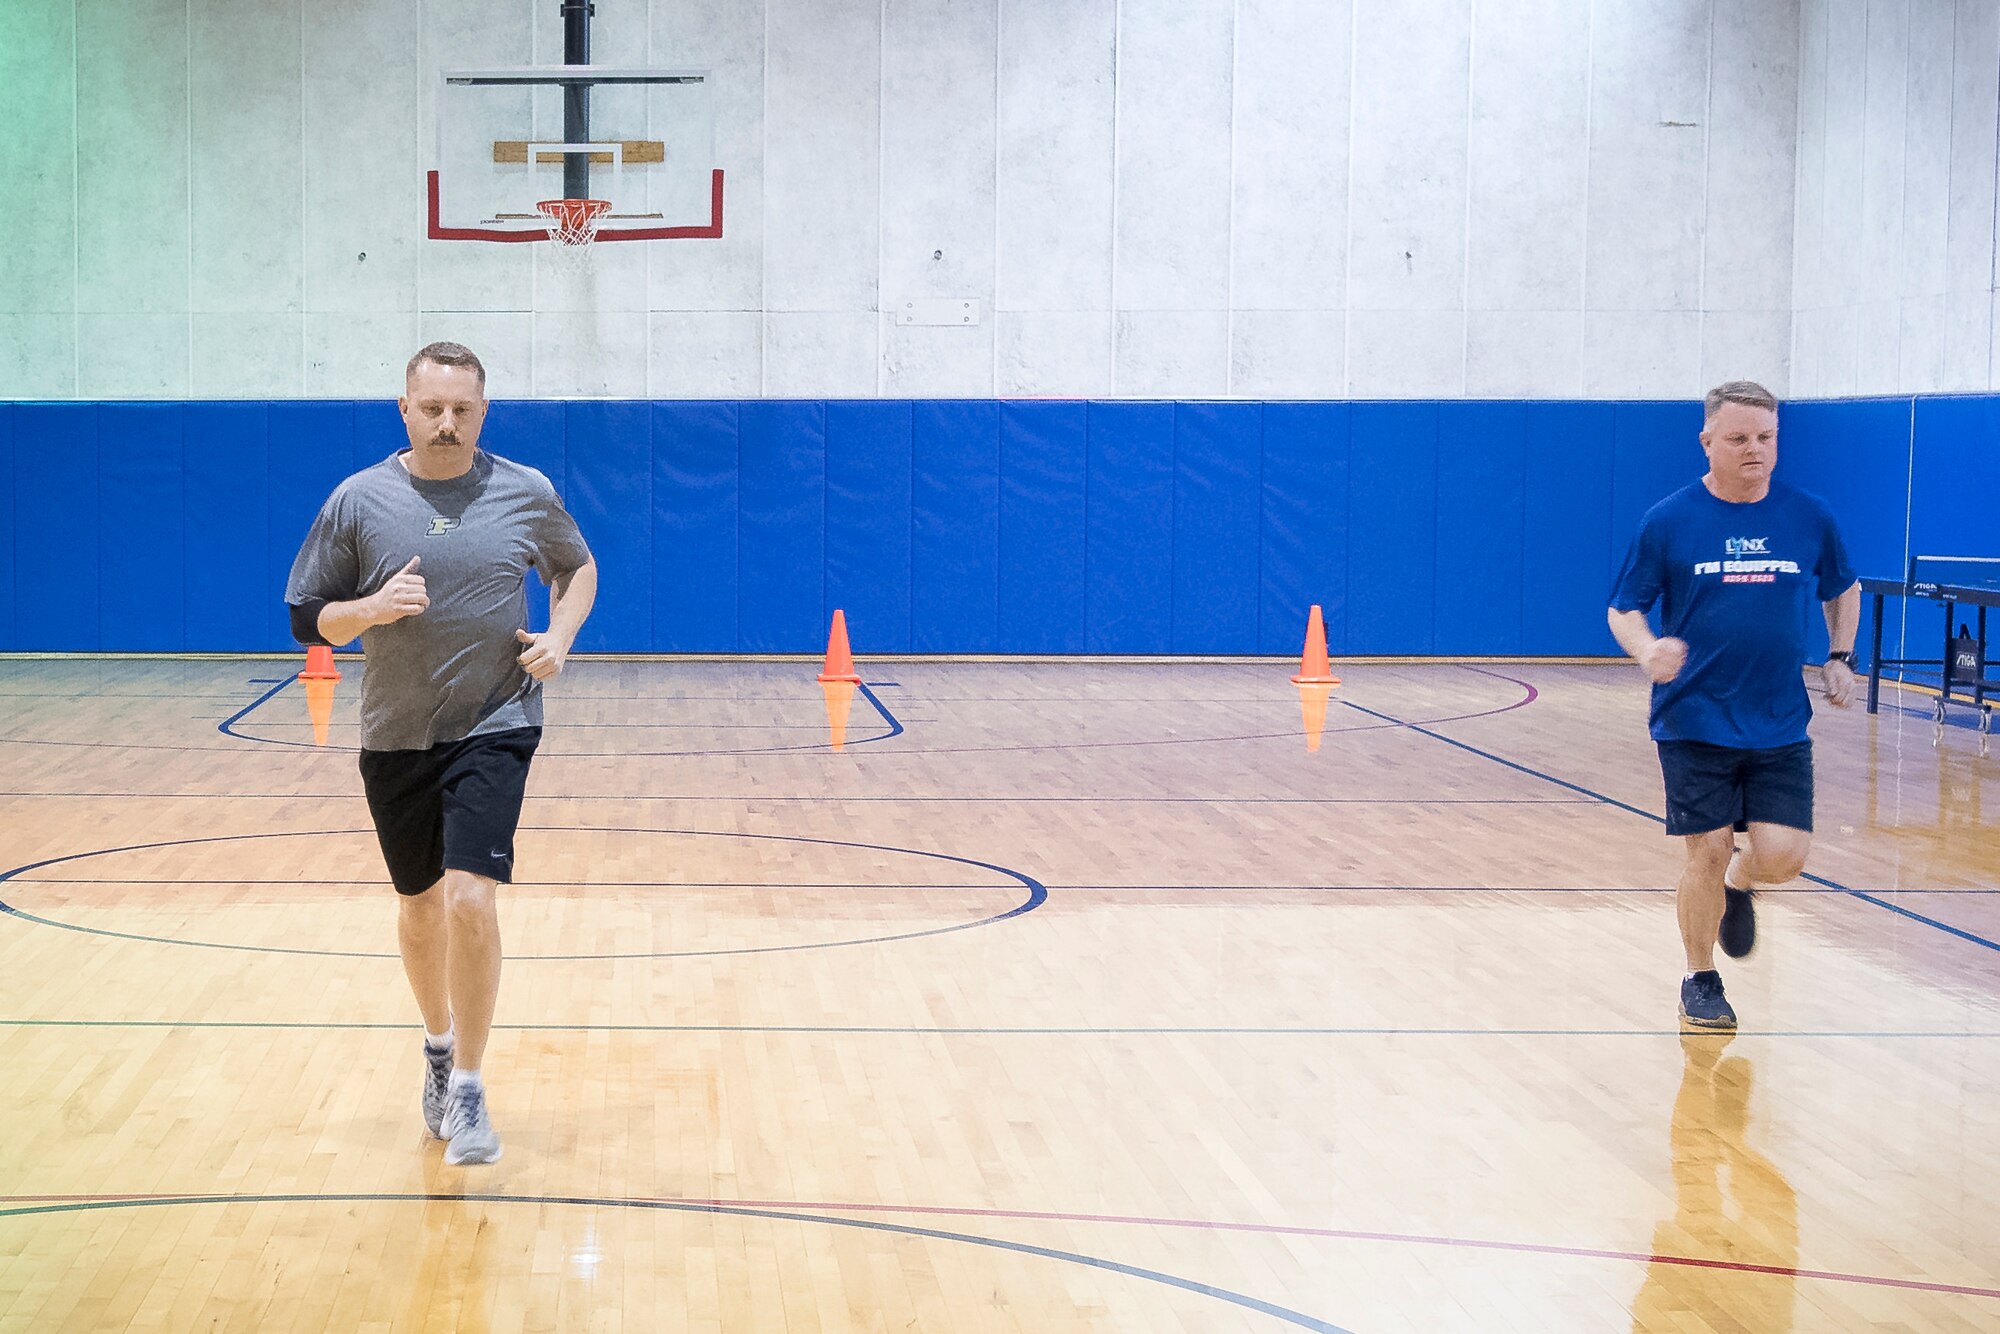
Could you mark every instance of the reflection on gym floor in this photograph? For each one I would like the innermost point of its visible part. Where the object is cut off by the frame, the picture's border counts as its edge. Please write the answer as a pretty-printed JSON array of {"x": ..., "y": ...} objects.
[{"x": 1731, "y": 1204}]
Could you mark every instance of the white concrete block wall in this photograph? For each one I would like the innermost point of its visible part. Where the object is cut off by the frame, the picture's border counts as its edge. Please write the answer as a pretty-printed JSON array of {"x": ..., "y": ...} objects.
[
  {"x": 1893, "y": 261},
  {"x": 1269, "y": 198}
]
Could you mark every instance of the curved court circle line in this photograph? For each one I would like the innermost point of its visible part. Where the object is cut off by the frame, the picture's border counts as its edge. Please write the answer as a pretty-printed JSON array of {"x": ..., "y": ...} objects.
[
  {"x": 1529, "y": 696},
  {"x": 1037, "y": 894},
  {"x": 1297, "y": 1319},
  {"x": 227, "y": 728},
  {"x": 22, "y": 1205}
]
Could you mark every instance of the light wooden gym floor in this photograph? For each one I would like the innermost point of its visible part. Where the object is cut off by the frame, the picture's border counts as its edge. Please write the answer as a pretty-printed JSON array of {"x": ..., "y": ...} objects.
[{"x": 1078, "y": 998}]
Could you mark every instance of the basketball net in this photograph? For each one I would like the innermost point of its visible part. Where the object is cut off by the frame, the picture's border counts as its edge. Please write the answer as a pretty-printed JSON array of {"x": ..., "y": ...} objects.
[{"x": 573, "y": 226}]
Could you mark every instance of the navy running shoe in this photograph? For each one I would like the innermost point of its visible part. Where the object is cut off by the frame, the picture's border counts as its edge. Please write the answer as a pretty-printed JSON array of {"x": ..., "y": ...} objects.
[{"x": 1702, "y": 1003}]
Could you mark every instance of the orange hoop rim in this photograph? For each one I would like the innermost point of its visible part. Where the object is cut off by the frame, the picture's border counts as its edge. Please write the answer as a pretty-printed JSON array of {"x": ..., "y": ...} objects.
[{"x": 573, "y": 222}]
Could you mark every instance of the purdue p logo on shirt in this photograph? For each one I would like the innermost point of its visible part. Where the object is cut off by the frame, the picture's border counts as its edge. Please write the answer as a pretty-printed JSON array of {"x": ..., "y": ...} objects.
[{"x": 441, "y": 524}]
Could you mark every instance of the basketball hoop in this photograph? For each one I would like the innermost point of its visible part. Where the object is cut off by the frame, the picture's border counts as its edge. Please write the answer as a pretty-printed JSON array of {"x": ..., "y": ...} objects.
[{"x": 573, "y": 226}]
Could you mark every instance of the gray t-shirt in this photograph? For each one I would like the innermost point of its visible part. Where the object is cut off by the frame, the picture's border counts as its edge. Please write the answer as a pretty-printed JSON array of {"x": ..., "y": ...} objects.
[{"x": 452, "y": 670}]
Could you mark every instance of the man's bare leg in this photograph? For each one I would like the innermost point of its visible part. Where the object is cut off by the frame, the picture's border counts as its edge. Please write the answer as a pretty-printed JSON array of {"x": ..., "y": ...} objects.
[
  {"x": 471, "y": 909},
  {"x": 473, "y": 952},
  {"x": 420, "y": 931},
  {"x": 1699, "y": 902},
  {"x": 1699, "y": 899}
]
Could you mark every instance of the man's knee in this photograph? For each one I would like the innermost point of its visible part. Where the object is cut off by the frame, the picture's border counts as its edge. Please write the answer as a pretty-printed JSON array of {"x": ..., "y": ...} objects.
[
  {"x": 422, "y": 911},
  {"x": 1778, "y": 854},
  {"x": 468, "y": 897},
  {"x": 1711, "y": 850}
]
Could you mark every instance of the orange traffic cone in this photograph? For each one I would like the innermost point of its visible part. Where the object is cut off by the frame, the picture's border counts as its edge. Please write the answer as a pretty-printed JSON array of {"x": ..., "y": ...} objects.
[
  {"x": 839, "y": 660},
  {"x": 320, "y": 675},
  {"x": 1314, "y": 668},
  {"x": 839, "y": 700},
  {"x": 1315, "y": 680}
]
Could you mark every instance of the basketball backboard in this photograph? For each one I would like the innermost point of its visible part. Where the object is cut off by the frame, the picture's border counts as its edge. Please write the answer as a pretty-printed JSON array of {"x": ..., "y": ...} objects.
[{"x": 642, "y": 139}]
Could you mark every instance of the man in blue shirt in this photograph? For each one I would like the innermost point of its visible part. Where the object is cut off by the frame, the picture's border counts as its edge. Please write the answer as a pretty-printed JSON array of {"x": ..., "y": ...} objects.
[{"x": 1733, "y": 561}]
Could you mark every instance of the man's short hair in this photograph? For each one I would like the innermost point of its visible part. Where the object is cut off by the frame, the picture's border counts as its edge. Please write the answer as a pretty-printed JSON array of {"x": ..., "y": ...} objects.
[
  {"x": 1747, "y": 392},
  {"x": 447, "y": 354}
]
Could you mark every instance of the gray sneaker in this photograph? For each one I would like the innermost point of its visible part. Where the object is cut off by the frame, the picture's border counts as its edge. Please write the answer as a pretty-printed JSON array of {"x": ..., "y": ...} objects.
[
  {"x": 437, "y": 1083},
  {"x": 468, "y": 1128}
]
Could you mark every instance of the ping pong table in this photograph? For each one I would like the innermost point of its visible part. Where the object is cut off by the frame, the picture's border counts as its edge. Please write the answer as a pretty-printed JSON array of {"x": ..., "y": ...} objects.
[{"x": 1952, "y": 582}]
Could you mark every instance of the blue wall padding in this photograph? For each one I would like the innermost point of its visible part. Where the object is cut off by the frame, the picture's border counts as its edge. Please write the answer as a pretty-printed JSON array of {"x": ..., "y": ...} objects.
[
  {"x": 533, "y": 432},
  {"x": 1392, "y": 527},
  {"x": 1656, "y": 450},
  {"x": 695, "y": 504},
  {"x": 227, "y": 543},
  {"x": 955, "y": 527},
  {"x": 309, "y": 450},
  {"x": 1955, "y": 482},
  {"x": 142, "y": 474},
  {"x": 1567, "y": 546},
  {"x": 1043, "y": 556},
  {"x": 1955, "y": 478},
  {"x": 1855, "y": 456},
  {"x": 971, "y": 526},
  {"x": 1129, "y": 528},
  {"x": 57, "y": 580},
  {"x": 610, "y": 470},
  {"x": 868, "y": 479},
  {"x": 1482, "y": 472},
  {"x": 1217, "y": 455},
  {"x": 8, "y": 553},
  {"x": 781, "y": 528},
  {"x": 527, "y": 431},
  {"x": 1302, "y": 539}
]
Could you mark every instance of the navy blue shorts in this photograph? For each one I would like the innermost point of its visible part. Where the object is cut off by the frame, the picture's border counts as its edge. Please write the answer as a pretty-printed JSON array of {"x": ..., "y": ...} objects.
[
  {"x": 455, "y": 805},
  {"x": 1720, "y": 787}
]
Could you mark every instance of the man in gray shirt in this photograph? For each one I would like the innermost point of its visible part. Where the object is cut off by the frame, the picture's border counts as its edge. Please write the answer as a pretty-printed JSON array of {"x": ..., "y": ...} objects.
[{"x": 425, "y": 555}]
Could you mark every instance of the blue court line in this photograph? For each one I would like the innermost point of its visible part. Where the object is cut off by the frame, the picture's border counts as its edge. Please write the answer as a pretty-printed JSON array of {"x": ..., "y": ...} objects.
[
  {"x": 244, "y": 712},
  {"x": 1199, "y": 1289},
  {"x": 985, "y": 1031},
  {"x": 895, "y": 727},
  {"x": 1037, "y": 895},
  {"x": 1660, "y": 820}
]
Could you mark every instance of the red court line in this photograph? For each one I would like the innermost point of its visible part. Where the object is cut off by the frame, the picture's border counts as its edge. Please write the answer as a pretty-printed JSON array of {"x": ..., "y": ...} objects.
[{"x": 1204, "y": 1225}]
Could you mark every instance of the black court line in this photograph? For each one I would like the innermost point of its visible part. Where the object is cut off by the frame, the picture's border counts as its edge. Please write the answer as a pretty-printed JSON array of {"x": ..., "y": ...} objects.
[
  {"x": 228, "y": 725},
  {"x": 1863, "y": 895},
  {"x": 1238, "y": 1299},
  {"x": 1052, "y": 886},
  {"x": 895, "y": 729},
  {"x": 378, "y": 882},
  {"x": 993, "y": 1031},
  {"x": 571, "y": 725},
  {"x": 1037, "y": 895},
  {"x": 835, "y": 798}
]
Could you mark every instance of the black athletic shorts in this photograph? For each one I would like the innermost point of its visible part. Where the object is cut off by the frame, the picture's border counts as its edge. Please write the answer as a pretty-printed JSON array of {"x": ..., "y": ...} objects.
[
  {"x": 455, "y": 805},
  {"x": 1719, "y": 787}
]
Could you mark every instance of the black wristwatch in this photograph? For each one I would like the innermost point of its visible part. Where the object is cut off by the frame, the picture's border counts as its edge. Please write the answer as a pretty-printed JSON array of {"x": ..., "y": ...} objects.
[{"x": 1841, "y": 656}]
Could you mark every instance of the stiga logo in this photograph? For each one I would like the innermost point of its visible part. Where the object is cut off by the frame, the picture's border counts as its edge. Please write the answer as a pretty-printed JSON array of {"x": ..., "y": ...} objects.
[
  {"x": 441, "y": 524},
  {"x": 1740, "y": 546}
]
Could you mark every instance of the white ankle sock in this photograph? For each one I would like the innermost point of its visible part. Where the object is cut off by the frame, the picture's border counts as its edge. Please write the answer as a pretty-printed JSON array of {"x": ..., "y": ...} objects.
[
  {"x": 439, "y": 1041},
  {"x": 460, "y": 1078}
]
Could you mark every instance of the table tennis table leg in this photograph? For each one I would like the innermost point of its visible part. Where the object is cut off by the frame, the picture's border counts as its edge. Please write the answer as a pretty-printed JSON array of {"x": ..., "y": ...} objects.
[
  {"x": 1875, "y": 659},
  {"x": 1979, "y": 664}
]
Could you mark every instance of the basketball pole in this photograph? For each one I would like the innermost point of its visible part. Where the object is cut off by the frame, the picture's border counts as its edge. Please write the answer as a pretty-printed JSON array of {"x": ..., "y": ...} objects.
[{"x": 576, "y": 97}]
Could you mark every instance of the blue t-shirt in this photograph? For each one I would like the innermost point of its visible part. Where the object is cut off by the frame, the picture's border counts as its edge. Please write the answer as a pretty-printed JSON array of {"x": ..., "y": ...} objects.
[{"x": 1736, "y": 582}]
